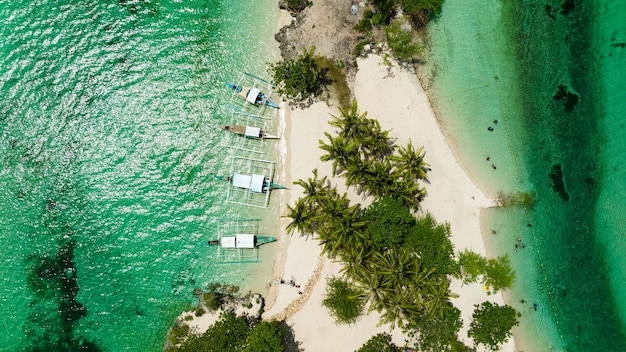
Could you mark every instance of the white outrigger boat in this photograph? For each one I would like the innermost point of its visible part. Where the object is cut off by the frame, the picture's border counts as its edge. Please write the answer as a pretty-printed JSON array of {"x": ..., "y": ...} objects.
[
  {"x": 238, "y": 240},
  {"x": 249, "y": 132},
  {"x": 252, "y": 91},
  {"x": 250, "y": 182}
]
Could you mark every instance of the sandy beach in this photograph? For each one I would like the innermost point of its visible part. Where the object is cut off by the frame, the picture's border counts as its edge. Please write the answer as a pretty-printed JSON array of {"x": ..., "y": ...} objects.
[{"x": 394, "y": 97}]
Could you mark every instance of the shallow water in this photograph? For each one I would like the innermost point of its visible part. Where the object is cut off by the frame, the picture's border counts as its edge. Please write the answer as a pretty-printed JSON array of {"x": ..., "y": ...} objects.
[
  {"x": 548, "y": 73},
  {"x": 109, "y": 144}
]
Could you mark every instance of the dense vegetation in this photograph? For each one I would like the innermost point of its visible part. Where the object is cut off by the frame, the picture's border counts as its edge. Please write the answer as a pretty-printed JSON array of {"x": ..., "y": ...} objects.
[
  {"x": 299, "y": 79},
  {"x": 398, "y": 260},
  {"x": 379, "y": 343},
  {"x": 239, "y": 333},
  {"x": 492, "y": 324}
]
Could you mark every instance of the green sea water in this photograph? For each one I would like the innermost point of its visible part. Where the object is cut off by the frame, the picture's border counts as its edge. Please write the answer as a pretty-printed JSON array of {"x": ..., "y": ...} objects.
[
  {"x": 109, "y": 145},
  {"x": 548, "y": 78}
]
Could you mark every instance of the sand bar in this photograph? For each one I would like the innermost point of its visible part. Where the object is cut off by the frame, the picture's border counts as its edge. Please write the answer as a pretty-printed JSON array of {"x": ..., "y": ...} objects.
[{"x": 394, "y": 97}]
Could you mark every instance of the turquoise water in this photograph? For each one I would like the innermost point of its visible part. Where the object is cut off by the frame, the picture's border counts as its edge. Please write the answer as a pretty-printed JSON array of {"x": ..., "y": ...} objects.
[
  {"x": 107, "y": 113},
  {"x": 551, "y": 74}
]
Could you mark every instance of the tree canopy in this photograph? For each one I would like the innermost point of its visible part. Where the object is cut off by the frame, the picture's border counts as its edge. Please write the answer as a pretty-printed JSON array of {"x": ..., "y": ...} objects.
[
  {"x": 301, "y": 78},
  {"x": 492, "y": 324},
  {"x": 238, "y": 334},
  {"x": 379, "y": 343}
]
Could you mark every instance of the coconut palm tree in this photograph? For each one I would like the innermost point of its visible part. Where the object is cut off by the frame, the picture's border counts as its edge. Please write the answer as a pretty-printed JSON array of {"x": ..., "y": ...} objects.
[
  {"x": 409, "y": 162},
  {"x": 350, "y": 123},
  {"x": 341, "y": 230},
  {"x": 355, "y": 258},
  {"x": 436, "y": 297},
  {"x": 303, "y": 217},
  {"x": 355, "y": 172},
  {"x": 375, "y": 142},
  {"x": 398, "y": 266},
  {"x": 315, "y": 188},
  {"x": 399, "y": 308},
  {"x": 339, "y": 150},
  {"x": 375, "y": 289},
  {"x": 378, "y": 178}
]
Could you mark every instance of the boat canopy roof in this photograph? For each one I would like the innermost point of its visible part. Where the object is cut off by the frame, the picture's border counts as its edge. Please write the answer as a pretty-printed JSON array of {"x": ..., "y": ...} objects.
[
  {"x": 253, "y": 131},
  {"x": 252, "y": 95},
  {"x": 252, "y": 182},
  {"x": 238, "y": 241}
]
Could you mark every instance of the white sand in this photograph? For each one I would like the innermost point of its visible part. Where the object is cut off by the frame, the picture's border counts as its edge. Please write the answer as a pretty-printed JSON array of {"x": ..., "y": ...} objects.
[{"x": 395, "y": 98}]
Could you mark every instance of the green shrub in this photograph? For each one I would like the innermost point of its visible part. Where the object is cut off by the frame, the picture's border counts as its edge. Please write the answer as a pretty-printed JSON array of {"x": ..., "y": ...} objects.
[
  {"x": 379, "y": 343},
  {"x": 189, "y": 318},
  {"x": 297, "y": 5},
  {"x": 200, "y": 312},
  {"x": 344, "y": 301},
  {"x": 266, "y": 337},
  {"x": 491, "y": 324},
  {"x": 497, "y": 273},
  {"x": 365, "y": 24},
  {"x": 389, "y": 221},
  {"x": 421, "y": 11},
  {"x": 178, "y": 334},
  {"x": 401, "y": 43},
  {"x": 299, "y": 79},
  {"x": 360, "y": 46}
]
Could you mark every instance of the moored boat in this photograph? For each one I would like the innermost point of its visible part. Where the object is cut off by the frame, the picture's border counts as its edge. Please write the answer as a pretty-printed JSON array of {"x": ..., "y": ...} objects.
[
  {"x": 252, "y": 95},
  {"x": 254, "y": 182},
  {"x": 242, "y": 241},
  {"x": 249, "y": 132}
]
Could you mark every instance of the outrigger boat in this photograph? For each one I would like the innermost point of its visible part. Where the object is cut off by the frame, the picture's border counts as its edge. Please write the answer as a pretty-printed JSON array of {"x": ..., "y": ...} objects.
[
  {"x": 253, "y": 90},
  {"x": 250, "y": 182},
  {"x": 242, "y": 240},
  {"x": 249, "y": 132},
  {"x": 252, "y": 95},
  {"x": 238, "y": 240},
  {"x": 254, "y": 182}
]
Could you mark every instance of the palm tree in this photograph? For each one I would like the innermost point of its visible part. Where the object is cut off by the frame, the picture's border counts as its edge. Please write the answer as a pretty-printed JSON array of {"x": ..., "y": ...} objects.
[
  {"x": 315, "y": 188},
  {"x": 398, "y": 266},
  {"x": 356, "y": 170},
  {"x": 355, "y": 258},
  {"x": 303, "y": 217},
  {"x": 340, "y": 150},
  {"x": 398, "y": 308},
  {"x": 341, "y": 229},
  {"x": 436, "y": 297},
  {"x": 375, "y": 143},
  {"x": 378, "y": 178},
  {"x": 407, "y": 191},
  {"x": 350, "y": 123},
  {"x": 375, "y": 289},
  {"x": 410, "y": 162}
]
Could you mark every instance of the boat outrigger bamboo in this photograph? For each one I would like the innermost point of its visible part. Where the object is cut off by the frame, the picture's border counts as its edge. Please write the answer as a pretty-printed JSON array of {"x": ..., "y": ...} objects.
[
  {"x": 249, "y": 132},
  {"x": 238, "y": 240},
  {"x": 252, "y": 95},
  {"x": 250, "y": 182},
  {"x": 255, "y": 183},
  {"x": 253, "y": 90}
]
